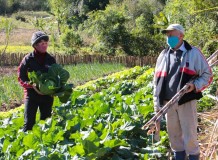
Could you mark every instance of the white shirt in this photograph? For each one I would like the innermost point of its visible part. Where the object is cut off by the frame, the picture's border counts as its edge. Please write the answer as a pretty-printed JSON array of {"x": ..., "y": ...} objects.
[{"x": 182, "y": 47}]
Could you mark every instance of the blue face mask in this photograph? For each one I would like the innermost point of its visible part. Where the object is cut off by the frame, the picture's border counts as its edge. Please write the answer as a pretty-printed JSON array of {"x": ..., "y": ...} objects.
[{"x": 172, "y": 41}]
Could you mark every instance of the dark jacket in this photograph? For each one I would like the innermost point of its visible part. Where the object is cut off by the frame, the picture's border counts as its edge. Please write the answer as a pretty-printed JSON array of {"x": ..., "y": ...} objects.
[{"x": 33, "y": 62}]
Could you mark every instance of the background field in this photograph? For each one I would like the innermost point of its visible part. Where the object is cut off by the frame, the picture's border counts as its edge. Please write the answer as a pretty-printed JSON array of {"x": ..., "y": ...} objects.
[{"x": 12, "y": 93}]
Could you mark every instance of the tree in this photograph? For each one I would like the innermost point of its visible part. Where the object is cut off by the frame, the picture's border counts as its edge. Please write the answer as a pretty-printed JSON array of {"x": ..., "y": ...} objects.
[
  {"x": 12, "y": 6},
  {"x": 71, "y": 41},
  {"x": 144, "y": 41},
  {"x": 194, "y": 15},
  {"x": 108, "y": 28},
  {"x": 79, "y": 10},
  {"x": 60, "y": 8},
  {"x": 7, "y": 26}
]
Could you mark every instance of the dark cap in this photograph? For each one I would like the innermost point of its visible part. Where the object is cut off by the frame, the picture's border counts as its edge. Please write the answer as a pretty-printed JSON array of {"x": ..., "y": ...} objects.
[{"x": 38, "y": 36}]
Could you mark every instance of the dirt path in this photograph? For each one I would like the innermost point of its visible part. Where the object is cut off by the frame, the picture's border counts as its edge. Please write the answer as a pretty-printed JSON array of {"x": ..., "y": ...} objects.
[{"x": 8, "y": 70}]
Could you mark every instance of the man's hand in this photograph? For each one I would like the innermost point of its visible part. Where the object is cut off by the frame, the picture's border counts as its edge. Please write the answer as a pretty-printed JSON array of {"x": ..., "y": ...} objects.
[
  {"x": 191, "y": 87},
  {"x": 155, "y": 129},
  {"x": 157, "y": 109},
  {"x": 37, "y": 91}
]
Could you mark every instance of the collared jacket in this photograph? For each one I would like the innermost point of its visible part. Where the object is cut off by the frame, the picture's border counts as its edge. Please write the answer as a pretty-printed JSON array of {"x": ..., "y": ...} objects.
[
  {"x": 193, "y": 64},
  {"x": 31, "y": 63}
]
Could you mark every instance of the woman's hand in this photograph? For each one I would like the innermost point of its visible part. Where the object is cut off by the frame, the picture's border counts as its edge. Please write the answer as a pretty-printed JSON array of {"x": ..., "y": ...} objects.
[{"x": 35, "y": 88}]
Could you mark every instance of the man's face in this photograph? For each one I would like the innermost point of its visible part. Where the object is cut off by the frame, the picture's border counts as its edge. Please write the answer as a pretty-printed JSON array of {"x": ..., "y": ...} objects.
[
  {"x": 41, "y": 46},
  {"x": 175, "y": 33}
]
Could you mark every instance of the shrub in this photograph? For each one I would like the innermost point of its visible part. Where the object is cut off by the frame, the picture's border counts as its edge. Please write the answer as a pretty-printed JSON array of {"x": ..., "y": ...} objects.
[{"x": 71, "y": 41}]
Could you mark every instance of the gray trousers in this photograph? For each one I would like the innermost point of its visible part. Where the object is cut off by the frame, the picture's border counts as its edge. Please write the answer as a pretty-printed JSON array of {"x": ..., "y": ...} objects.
[{"x": 182, "y": 128}]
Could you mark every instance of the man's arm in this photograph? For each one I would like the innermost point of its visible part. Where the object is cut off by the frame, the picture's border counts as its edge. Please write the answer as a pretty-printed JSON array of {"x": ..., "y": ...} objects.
[
  {"x": 159, "y": 72},
  {"x": 204, "y": 71}
]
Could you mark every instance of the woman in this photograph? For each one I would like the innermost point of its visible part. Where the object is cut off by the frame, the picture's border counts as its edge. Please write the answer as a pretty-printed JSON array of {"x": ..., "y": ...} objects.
[{"x": 38, "y": 60}]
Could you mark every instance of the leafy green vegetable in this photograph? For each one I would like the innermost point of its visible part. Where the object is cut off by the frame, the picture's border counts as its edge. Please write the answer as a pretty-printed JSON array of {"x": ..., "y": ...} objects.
[
  {"x": 102, "y": 121},
  {"x": 53, "y": 83}
]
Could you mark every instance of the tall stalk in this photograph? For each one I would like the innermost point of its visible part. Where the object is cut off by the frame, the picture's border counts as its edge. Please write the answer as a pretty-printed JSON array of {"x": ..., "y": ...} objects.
[{"x": 8, "y": 27}]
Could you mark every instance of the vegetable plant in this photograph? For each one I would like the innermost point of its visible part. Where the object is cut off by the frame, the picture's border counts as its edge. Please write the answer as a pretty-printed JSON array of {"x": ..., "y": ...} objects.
[{"x": 54, "y": 82}]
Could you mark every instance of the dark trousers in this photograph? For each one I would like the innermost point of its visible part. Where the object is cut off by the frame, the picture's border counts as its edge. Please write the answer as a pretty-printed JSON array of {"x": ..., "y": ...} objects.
[{"x": 32, "y": 103}]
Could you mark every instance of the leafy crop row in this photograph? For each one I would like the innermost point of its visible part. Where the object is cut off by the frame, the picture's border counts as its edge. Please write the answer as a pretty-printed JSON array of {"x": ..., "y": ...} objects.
[{"x": 103, "y": 120}]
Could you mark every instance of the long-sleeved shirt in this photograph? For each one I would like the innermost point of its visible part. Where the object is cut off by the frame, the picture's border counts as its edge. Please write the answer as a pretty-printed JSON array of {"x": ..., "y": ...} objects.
[{"x": 33, "y": 62}]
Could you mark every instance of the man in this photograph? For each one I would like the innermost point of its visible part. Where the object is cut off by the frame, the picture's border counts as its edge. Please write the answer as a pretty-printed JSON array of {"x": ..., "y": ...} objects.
[
  {"x": 38, "y": 60},
  {"x": 175, "y": 66}
]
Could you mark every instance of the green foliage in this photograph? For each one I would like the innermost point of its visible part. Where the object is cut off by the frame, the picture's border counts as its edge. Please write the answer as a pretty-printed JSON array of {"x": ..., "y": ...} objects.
[
  {"x": 7, "y": 26},
  {"x": 11, "y": 112},
  {"x": 69, "y": 14},
  {"x": 108, "y": 27},
  {"x": 207, "y": 102},
  {"x": 160, "y": 21},
  {"x": 213, "y": 88},
  {"x": 126, "y": 28},
  {"x": 15, "y": 49},
  {"x": 195, "y": 17},
  {"x": 210, "y": 47},
  {"x": 8, "y": 6},
  {"x": 200, "y": 36},
  {"x": 59, "y": 8},
  {"x": 80, "y": 9},
  {"x": 119, "y": 26},
  {"x": 71, "y": 41},
  {"x": 143, "y": 40},
  {"x": 103, "y": 120},
  {"x": 53, "y": 83},
  {"x": 12, "y": 6},
  {"x": 34, "y": 5},
  {"x": 98, "y": 123},
  {"x": 12, "y": 93},
  {"x": 39, "y": 23}
]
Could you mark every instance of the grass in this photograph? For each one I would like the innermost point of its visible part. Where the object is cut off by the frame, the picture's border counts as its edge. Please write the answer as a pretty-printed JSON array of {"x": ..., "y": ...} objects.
[
  {"x": 82, "y": 73},
  {"x": 24, "y": 25},
  {"x": 25, "y": 48},
  {"x": 17, "y": 49},
  {"x": 18, "y": 37},
  {"x": 20, "y": 34},
  {"x": 31, "y": 14},
  {"x": 12, "y": 92}
]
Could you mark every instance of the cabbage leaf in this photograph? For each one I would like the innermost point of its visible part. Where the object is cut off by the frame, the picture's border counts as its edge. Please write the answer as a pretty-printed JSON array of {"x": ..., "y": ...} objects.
[{"x": 54, "y": 82}]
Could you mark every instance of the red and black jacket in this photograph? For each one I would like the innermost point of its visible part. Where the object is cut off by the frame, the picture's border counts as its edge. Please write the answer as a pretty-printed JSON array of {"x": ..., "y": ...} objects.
[{"x": 33, "y": 62}]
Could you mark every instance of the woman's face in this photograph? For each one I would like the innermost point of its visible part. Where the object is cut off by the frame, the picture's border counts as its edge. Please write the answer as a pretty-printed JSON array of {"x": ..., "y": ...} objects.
[{"x": 41, "y": 46}]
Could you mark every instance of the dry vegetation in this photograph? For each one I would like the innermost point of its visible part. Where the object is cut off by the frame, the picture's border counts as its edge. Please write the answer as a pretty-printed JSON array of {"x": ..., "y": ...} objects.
[
  {"x": 7, "y": 70},
  {"x": 208, "y": 135},
  {"x": 22, "y": 30},
  {"x": 19, "y": 36}
]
